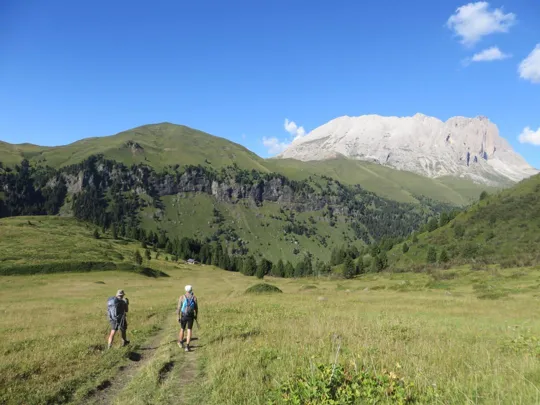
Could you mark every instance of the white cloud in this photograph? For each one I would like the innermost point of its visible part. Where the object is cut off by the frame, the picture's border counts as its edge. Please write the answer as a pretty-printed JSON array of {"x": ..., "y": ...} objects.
[
  {"x": 473, "y": 21},
  {"x": 293, "y": 129},
  {"x": 489, "y": 55},
  {"x": 529, "y": 68},
  {"x": 274, "y": 145},
  {"x": 530, "y": 136}
]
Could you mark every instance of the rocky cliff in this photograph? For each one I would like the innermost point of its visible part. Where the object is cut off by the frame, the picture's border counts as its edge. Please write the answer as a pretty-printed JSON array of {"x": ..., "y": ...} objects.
[{"x": 462, "y": 147}]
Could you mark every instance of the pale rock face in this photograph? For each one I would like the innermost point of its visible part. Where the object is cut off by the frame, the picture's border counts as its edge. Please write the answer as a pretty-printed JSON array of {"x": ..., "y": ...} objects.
[{"x": 462, "y": 147}]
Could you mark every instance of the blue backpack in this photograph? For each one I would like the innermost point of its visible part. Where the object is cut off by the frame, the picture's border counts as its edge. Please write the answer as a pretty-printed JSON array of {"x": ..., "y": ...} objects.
[{"x": 188, "y": 306}]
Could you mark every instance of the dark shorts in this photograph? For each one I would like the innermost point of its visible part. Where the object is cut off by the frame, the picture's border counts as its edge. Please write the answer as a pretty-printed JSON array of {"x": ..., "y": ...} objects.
[
  {"x": 115, "y": 325},
  {"x": 186, "y": 321}
]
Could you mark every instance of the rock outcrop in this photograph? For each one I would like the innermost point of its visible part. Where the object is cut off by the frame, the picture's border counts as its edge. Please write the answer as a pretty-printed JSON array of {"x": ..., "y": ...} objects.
[{"x": 463, "y": 147}]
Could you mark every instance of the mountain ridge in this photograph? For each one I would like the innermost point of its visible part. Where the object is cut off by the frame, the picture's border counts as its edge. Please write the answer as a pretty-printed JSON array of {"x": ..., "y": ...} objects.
[
  {"x": 460, "y": 146},
  {"x": 164, "y": 144}
]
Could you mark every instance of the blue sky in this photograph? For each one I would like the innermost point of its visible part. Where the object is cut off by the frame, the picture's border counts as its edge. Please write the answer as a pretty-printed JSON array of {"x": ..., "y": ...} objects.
[{"x": 239, "y": 69}]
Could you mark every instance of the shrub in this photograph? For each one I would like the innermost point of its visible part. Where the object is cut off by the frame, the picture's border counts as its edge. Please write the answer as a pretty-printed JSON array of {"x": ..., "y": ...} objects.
[
  {"x": 335, "y": 384},
  {"x": 263, "y": 288}
]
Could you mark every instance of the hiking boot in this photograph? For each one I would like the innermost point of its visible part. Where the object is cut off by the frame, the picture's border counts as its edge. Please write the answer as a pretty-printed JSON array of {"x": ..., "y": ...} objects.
[
  {"x": 186, "y": 349},
  {"x": 180, "y": 344},
  {"x": 126, "y": 342}
]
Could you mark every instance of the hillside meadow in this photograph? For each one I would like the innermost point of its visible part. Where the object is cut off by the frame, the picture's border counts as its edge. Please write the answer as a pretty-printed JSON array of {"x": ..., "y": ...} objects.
[{"x": 458, "y": 336}]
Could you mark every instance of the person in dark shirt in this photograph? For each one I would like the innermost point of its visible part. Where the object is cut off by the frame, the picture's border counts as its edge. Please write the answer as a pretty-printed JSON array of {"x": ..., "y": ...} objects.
[{"x": 117, "y": 311}]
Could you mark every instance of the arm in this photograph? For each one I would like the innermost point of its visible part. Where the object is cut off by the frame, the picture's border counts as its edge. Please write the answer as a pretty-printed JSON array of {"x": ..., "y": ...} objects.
[{"x": 127, "y": 304}]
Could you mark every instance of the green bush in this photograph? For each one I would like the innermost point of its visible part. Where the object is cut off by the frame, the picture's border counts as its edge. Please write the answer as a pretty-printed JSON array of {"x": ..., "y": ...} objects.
[
  {"x": 329, "y": 384},
  {"x": 263, "y": 288}
]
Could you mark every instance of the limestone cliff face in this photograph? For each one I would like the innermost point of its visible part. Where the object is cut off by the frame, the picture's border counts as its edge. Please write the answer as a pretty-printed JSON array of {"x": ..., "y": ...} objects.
[{"x": 463, "y": 147}]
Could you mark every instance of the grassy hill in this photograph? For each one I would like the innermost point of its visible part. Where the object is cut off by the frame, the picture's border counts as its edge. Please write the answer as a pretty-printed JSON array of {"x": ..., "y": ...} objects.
[
  {"x": 502, "y": 228},
  {"x": 375, "y": 332},
  {"x": 164, "y": 144},
  {"x": 45, "y": 244}
]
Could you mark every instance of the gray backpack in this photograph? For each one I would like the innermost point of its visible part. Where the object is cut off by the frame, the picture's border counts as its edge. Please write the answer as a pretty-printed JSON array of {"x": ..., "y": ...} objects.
[{"x": 112, "y": 308}]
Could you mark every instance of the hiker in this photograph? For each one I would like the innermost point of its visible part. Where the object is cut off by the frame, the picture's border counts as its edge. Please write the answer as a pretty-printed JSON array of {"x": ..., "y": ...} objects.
[
  {"x": 187, "y": 313},
  {"x": 117, "y": 308}
]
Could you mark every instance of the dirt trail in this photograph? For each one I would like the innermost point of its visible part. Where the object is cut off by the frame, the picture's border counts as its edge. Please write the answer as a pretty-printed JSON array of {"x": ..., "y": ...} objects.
[
  {"x": 188, "y": 373},
  {"x": 107, "y": 391}
]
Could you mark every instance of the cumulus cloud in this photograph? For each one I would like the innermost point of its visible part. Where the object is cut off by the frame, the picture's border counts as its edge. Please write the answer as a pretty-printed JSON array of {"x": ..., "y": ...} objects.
[
  {"x": 274, "y": 145},
  {"x": 529, "y": 68},
  {"x": 473, "y": 21},
  {"x": 530, "y": 136},
  {"x": 293, "y": 129},
  {"x": 489, "y": 55}
]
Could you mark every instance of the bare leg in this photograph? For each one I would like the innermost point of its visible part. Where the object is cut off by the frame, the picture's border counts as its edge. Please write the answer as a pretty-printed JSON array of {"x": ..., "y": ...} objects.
[
  {"x": 111, "y": 337},
  {"x": 188, "y": 337},
  {"x": 181, "y": 335}
]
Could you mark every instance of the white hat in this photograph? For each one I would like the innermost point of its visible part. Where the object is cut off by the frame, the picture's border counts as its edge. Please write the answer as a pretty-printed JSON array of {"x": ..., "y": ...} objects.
[{"x": 189, "y": 288}]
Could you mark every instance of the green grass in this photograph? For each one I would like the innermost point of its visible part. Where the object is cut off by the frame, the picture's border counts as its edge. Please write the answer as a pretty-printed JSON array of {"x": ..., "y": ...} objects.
[
  {"x": 459, "y": 335},
  {"x": 192, "y": 214},
  {"x": 165, "y": 144},
  {"x": 382, "y": 180},
  {"x": 504, "y": 228}
]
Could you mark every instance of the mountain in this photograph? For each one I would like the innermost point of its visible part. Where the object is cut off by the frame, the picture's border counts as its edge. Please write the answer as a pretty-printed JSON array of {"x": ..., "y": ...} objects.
[
  {"x": 501, "y": 228},
  {"x": 460, "y": 147},
  {"x": 165, "y": 144},
  {"x": 243, "y": 211},
  {"x": 157, "y": 145}
]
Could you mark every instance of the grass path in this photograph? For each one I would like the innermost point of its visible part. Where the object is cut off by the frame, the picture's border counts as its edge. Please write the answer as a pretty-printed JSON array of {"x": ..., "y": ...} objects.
[
  {"x": 109, "y": 389},
  {"x": 176, "y": 371}
]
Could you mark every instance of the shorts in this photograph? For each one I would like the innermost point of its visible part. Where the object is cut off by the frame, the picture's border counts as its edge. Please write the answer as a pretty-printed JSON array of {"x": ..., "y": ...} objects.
[
  {"x": 186, "y": 321},
  {"x": 115, "y": 325}
]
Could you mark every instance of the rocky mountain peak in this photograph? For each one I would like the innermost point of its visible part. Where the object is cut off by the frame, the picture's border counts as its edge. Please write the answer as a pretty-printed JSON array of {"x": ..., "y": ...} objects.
[{"x": 461, "y": 146}]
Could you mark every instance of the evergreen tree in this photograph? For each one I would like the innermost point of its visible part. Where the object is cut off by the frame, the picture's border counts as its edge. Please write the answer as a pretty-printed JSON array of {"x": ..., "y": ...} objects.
[
  {"x": 115, "y": 232},
  {"x": 225, "y": 262},
  {"x": 137, "y": 258},
  {"x": 432, "y": 255},
  {"x": 289, "y": 270},
  {"x": 144, "y": 245},
  {"x": 415, "y": 238},
  {"x": 96, "y": 234},
  {"x": 348, "y": 267},
  {"x": 250, "y": 266},
  {"x": 278, "y": 270},
  {"x": 405, "y": 248},
  {"x": 432, "y": 225},
  {"x": 147, "y": 254},
  {"x": 299, "y": 269},
  {"x": 360, "y": 266},
  {"x": 443, "y": 257},
  {"x": 444, "y": 219},
  {"x": 308, "y": 266},
  {"x": 217, "y": 255}
]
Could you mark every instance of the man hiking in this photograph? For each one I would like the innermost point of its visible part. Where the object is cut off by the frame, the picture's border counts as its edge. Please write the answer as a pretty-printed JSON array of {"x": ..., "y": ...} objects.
[
  {"x": 187, "y": 313},
  {"x": 117, "y": 308}
]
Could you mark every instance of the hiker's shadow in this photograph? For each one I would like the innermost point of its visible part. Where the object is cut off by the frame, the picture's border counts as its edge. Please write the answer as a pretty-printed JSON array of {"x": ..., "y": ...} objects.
[{"x": 167, "y": 343}]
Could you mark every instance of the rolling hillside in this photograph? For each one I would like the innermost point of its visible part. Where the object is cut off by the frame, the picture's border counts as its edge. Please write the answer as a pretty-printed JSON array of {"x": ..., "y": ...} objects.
[
  {"x": 165, "y": 144},
  {"x": 502, "y": 228}
]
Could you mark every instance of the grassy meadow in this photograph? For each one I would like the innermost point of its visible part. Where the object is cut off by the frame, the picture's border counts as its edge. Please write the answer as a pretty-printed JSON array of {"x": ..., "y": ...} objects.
[{"x": 461, "y": 336}]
